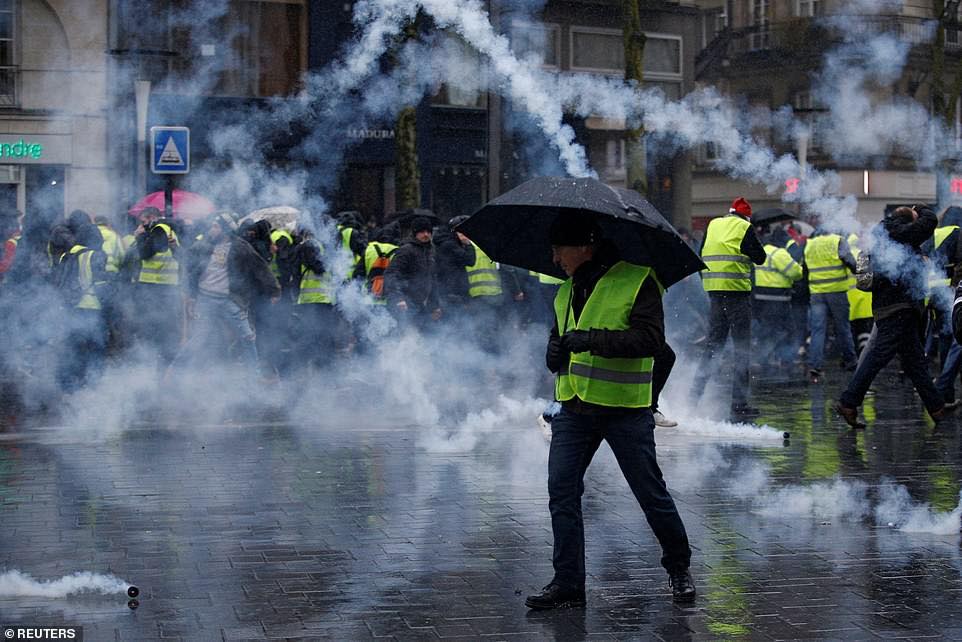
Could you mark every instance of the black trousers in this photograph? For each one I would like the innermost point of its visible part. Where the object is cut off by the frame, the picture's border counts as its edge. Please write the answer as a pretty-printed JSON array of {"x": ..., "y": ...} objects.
[
  {"x": 897, "y": 334},
  {"x": 631, "y": 435},
  {"x": 730, "y": 313}
]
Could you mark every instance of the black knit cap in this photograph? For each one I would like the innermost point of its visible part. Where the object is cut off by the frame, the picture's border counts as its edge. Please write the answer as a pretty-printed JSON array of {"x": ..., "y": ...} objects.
[
  {"x": 574, "y": 228},
  {"x": 421, "y": 224}
]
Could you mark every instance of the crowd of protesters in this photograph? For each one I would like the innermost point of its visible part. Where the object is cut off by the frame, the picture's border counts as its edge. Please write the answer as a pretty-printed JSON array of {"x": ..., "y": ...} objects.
[{"x": 78, "y": 292}]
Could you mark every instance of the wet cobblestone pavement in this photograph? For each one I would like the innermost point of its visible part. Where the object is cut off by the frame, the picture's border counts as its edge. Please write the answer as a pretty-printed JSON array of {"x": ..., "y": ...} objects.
[{"x": 261, "y": 529}]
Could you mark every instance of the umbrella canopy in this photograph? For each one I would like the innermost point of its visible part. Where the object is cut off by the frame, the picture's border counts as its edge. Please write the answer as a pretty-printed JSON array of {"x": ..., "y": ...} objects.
[
  {"x": 187, "y": 205},
  {"x": 514, "y": 228},
  {"x": 281, "y": 217},
  {"x": 771, "y": 215}
]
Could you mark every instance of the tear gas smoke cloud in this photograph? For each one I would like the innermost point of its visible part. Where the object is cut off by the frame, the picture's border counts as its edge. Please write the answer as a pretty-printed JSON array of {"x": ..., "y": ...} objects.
[{"x": 17, "y": 584}]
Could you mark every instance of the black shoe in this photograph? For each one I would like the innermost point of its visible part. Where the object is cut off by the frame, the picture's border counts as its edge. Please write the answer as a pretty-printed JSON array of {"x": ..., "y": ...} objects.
[
  {"x": 682, "y": 586},
  {"x": 815, "y": 375},
  {"x": 744, "y": 412},
  {"x": 554, "y": 596}
]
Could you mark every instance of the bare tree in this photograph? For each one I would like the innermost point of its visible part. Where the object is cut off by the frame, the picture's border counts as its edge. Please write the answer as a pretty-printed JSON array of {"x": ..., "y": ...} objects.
[{"x": 634, "y": 41}]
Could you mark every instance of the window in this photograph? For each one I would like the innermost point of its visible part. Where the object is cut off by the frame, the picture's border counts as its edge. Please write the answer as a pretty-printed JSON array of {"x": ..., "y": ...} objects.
[
  {"x": 255, "y": 48},
  {"x": 604, "y": 51},
  {"x": 760, "y": 36},
  {"x": 714, "y": 21},
  {"x": 543, "y": 42},
  {"x": 9, "y": 69},
  {"x": 601, "y": 50},
  {"x": 809, "y": 111},
  {"x": 807, "y": 8},
  {"x": 464, "y": 65},
  {"x": 952, "y": 38}
]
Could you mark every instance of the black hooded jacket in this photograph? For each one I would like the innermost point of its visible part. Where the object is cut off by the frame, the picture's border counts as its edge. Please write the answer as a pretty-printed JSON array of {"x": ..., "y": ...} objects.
[
  {"x": 891, "y": 293},
  {"x": 412, "y": 277}
]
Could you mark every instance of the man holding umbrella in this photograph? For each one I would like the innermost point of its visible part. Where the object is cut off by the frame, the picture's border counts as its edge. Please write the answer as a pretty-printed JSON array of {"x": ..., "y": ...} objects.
[{"x": 609, "y": 324}]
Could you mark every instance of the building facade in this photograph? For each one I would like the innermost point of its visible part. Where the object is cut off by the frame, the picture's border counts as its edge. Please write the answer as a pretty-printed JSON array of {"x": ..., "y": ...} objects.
[
  {"x": 767, "y": 53},
  {"x": 53, "y": 106}
]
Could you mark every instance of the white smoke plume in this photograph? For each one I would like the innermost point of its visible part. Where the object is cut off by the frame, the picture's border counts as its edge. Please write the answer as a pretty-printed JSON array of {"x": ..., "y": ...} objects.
[{"x": 18, "y": 584}]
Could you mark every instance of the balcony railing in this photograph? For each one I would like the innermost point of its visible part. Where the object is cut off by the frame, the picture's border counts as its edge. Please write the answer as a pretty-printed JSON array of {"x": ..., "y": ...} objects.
[{"x": 801, "y": 36}]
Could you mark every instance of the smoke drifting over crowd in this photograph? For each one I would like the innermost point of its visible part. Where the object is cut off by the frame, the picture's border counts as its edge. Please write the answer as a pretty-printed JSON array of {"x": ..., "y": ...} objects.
[{"x": 458, "y": 390}]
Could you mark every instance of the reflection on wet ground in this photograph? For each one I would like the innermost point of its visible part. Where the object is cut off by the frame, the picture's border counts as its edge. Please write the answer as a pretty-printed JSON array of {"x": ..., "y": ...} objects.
[{"x": 257, "y": 530}]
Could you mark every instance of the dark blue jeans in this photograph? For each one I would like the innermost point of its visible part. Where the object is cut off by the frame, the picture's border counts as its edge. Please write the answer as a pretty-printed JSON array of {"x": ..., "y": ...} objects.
[
  {"x": 950, "y": 370},
  {"x": 823, "y": 306},
  {"x": 574, "y": 440},
  {"x": 895, "y": 334}
]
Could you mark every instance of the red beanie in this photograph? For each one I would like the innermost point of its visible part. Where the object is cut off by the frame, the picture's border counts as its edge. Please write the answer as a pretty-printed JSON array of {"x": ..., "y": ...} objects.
[{"x": 741, "y": 206}]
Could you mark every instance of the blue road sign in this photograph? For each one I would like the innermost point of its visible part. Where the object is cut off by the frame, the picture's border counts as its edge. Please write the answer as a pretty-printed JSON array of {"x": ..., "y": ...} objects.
[{"x": 170, "y": 147}]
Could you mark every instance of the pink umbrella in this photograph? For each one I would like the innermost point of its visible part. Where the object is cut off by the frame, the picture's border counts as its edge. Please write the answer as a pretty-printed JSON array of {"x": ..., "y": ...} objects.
[{"x": 187, "y": 205}]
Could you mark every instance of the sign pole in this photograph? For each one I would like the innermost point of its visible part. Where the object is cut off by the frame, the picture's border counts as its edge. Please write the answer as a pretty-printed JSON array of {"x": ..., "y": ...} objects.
[{"x": 169, "y": 196}]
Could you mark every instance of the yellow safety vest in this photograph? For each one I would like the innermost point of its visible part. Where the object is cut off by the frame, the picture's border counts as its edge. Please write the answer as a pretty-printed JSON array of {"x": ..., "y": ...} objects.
[
  {"x": 778, "y": 272},
  {"x": 942, "y": 278},
  {"x": 112, "y": 247},
  {"x": 728, "y": 269},
  {"x": 859, "y": 302},
  {"x": 315, "y": 288},
  {"x": 277, "y": 235},
  {"x": 826, "y": 272},
  {"x": 546, "y": 279},
  {"x": 346, "y": 234},
  {"x": 484, "y": 279},
  {"x": 85, "y": 274},
  {"x": 615, "y": 382},
  {"x": 162, "y": 268}
]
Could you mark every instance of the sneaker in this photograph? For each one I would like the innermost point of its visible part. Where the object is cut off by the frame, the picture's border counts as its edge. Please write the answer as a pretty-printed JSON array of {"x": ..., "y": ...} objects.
[
  {"x": 849, "y": 414},
  {"x": 554, "y": 596},
  {"x": 815, "y": 375},
  {"x": 952, "y": 404},
  {"x": 682, "y": 586},
  {"x": 663, "y": 421}
]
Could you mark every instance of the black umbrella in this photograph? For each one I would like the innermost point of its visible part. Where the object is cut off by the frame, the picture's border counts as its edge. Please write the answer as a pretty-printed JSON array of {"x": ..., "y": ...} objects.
[
  {"x": 771, "y": 215},
  {"x": 514, "y": 228}
]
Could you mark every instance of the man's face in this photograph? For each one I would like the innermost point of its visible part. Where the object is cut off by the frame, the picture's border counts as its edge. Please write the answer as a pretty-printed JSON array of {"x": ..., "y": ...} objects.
[
  {"x": 215, "y": 231},
  {"x": 424, "y": 236},
  {"x": 570, "y": 257}
]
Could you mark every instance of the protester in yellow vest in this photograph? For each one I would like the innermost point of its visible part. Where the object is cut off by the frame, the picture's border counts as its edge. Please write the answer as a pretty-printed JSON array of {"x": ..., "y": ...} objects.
[
  {"x": 772, "y": 298},
  {"x": 730, "y": 248},
  {"x": 609, "y": 324},
  {"x": 859, "y": 305},
  {"x": 315, "y": 318},
  {"x": 81, "y": 277},
  {"x": 158, "y": 314},
  {"x": 828, "y": 264}
]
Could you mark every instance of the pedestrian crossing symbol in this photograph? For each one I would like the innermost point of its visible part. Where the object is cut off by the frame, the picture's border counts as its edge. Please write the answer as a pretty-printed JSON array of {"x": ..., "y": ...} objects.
[{"x": 170, "y": 150}]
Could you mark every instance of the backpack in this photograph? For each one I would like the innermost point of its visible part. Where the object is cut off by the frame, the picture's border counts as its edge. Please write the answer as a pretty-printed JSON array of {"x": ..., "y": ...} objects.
[
  {"x": 375, "y": 278},
  {"x": 864, "y": 275}
]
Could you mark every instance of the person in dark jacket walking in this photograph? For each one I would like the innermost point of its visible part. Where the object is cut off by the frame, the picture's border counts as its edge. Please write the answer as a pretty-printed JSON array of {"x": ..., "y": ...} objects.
[
  {"x": 898, "y": 290},
  {"x": 224, "y": 274},
  {"x": 609, "y": 325},
  {"x": 454, "y": 253},
  {"x": 410, "y": 282}
]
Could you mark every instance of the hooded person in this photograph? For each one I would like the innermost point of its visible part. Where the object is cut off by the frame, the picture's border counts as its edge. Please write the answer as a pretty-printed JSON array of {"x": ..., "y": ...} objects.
[
  {"x": 410, "y": 281},
  {"x": 224, "y": 274},
  {"x": 898, "y": 291},
  {"x": 730, "y": 248},
  {"x": 455, "y": 253},
  {"x": 609, "y": 324}
]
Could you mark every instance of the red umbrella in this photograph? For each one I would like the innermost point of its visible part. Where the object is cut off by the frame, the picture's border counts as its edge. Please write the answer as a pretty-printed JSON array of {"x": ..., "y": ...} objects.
[{"x": 186, "y": 204}]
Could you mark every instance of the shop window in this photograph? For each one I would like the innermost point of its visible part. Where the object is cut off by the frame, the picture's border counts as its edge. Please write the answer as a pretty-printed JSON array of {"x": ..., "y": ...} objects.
[
  {"x": 254, "y": 48},
  {"x": 458, "y": 189},
  {"x": 9, "y": 68}
]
